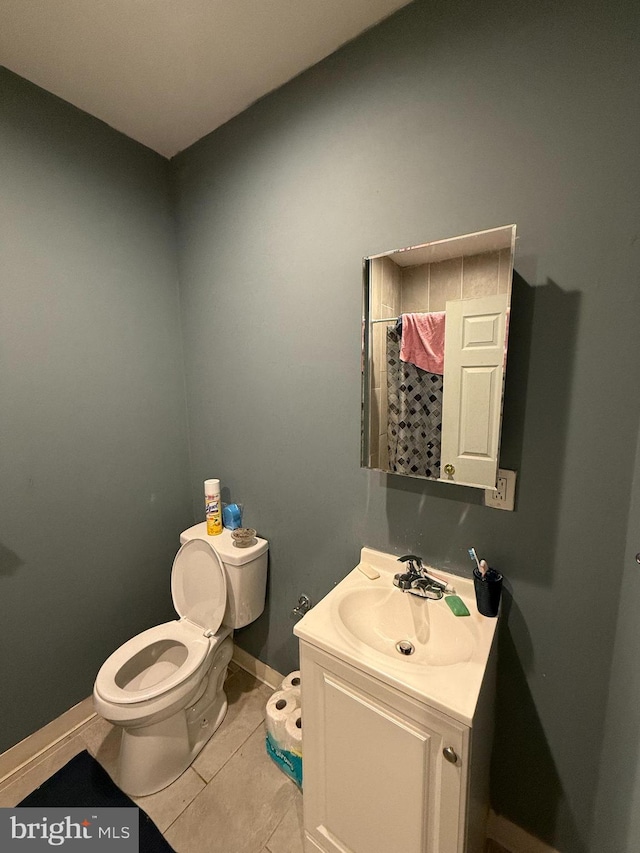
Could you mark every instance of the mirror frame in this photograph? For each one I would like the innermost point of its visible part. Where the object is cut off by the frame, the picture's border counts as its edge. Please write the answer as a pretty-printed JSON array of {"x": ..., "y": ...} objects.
[{"x": 502, "y": 240}]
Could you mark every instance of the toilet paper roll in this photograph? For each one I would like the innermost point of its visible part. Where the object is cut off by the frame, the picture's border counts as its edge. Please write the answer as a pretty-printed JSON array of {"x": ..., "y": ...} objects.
[
  {"x": 292, "y": 681},
  {"x": 280, "y": 707},
  {"x": 293, "y": 732}
]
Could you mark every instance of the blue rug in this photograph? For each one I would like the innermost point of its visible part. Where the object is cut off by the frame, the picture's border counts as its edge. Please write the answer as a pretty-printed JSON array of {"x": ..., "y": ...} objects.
[{"x": 83, "y": 783}]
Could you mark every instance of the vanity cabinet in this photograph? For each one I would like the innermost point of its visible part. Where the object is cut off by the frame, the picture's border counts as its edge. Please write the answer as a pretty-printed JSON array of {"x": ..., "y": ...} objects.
[{"x": 383, "y": 772}]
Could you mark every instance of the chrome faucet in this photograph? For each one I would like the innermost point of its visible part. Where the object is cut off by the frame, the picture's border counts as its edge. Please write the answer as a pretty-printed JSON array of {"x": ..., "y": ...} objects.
[{"x": 417, "y": 581}]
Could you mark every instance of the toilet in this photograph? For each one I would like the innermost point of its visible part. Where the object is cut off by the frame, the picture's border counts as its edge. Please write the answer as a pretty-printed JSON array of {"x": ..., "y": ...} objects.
[{"x": 165, "y": 686}]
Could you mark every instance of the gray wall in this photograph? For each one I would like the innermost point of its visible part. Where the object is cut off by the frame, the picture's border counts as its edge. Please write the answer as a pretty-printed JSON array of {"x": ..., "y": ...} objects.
[
  {"x": 93, "y": 460},
  {"x": 442, "y": 120},
  {"x": 448, "y": 118},
  {"x": 617, "y": 820}
]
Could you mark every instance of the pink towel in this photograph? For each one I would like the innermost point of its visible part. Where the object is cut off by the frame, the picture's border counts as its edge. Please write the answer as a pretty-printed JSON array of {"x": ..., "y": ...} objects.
[{"x": 423, "y": 340}]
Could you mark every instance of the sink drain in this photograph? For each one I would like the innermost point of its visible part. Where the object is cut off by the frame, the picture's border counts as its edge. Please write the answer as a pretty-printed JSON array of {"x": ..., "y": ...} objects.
[{"x": 405, "y": 647}]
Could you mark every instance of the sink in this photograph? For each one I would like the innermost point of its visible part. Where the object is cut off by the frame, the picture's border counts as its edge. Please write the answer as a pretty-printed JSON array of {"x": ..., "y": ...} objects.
[
  {"x": 382, "y": 618},
  {"x": 367, "y": 622}
]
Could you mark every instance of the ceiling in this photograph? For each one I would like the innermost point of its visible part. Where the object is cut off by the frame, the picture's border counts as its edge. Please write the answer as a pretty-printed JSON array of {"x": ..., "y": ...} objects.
[{"x": 167, "y": 72}]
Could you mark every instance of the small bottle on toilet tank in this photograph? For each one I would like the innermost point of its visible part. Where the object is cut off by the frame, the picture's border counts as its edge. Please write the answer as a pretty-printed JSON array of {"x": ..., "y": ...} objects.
[{"x": 212, "y": 507}]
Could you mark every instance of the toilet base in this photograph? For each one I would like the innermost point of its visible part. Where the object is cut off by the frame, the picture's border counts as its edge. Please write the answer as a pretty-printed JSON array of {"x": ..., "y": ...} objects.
[{"x": 153, "y": 756}]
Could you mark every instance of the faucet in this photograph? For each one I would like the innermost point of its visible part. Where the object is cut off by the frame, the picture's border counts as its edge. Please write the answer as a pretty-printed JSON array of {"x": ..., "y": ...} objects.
[{"x": 416, "y": 580}]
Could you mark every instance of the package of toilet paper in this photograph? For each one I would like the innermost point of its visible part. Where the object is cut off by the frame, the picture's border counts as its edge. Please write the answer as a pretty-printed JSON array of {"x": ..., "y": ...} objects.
[{"x": 284, "y": 730}]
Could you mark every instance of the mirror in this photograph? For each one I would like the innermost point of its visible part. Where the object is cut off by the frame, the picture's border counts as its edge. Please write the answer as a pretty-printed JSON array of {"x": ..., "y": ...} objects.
[{"x": 435, "y": 329}]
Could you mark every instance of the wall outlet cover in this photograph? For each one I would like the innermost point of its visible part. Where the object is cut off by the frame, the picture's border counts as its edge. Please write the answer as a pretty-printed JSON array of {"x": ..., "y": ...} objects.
[{"x": 504, "y": 495}]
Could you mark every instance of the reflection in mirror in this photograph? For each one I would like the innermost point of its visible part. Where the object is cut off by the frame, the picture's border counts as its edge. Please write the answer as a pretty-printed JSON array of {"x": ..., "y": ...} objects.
[{"x": 434, "y": 354}]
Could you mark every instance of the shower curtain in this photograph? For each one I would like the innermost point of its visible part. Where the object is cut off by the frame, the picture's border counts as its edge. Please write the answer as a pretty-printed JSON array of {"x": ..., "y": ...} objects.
[{"x": 414, "y": 425}]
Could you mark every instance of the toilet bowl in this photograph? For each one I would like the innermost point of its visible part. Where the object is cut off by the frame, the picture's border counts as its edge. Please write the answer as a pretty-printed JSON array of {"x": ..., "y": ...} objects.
[{"x": 165, "y": 686}]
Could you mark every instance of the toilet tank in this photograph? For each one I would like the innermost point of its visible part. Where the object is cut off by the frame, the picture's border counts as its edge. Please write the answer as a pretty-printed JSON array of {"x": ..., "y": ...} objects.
[{"x": 246, "y": 570}]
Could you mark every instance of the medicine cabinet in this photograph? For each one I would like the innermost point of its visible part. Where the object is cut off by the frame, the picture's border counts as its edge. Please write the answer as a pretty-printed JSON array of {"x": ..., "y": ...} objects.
[{"x": 441, "y": 421}]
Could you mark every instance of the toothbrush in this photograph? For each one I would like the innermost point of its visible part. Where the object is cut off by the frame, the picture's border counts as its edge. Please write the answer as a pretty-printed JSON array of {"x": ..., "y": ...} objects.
[
  {"x": 481, "y": 564},
  {"x": 474, "y": 556}
]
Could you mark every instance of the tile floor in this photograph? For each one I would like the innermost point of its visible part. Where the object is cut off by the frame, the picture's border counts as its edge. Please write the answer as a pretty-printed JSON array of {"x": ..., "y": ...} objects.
[{"x": 233, "y": 798}]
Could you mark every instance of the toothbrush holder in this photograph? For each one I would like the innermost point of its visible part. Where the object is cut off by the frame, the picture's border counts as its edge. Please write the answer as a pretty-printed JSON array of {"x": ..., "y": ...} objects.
[{"x": 488, "y": 591}]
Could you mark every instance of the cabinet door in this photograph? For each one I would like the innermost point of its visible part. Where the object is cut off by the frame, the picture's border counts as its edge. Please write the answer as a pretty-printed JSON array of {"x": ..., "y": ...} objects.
[
  {"x": 375, "y": 779},
  {"x": 472, "y": 402}
]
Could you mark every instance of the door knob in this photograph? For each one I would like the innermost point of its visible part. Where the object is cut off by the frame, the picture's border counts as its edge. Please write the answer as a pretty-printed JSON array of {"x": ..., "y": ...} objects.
[
  {"x": 450, "y": 754},
  {"x": 638, "y": 557},
  {"x": 449, "y": 469}
]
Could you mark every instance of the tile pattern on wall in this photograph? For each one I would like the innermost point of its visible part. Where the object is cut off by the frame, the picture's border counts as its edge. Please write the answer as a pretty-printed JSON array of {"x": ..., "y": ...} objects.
[
  {"x": 414, "y": 416},
  {"x": 445, "y": 283}
]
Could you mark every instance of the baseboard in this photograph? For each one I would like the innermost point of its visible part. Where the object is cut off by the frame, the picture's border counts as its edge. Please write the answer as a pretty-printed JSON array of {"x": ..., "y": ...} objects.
[
  {"x": 39, "y": 742},
  {"x": 310, "y": 846},
  {"x": 271, "y": 677},
  {"x": 513, "y": 838}
]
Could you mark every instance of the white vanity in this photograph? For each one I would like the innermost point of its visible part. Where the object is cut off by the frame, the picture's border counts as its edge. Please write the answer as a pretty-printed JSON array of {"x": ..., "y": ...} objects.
[{"x": 396, "y": 746}]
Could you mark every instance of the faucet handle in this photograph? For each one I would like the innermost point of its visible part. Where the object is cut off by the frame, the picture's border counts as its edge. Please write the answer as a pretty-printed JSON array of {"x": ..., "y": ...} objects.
[{"x": 412, "y": 559}]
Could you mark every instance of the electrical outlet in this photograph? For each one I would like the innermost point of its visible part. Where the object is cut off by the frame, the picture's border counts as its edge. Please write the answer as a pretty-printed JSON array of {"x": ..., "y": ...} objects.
[{"x": 504, "y": 495}]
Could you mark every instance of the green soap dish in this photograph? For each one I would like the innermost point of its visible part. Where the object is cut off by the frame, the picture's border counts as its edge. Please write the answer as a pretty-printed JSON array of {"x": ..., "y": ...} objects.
[{"x": 457, "y": 605}]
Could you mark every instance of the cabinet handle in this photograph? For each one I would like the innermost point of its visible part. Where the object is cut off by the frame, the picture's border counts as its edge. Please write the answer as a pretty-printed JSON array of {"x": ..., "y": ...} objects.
[{"x": 450, "y": 754}]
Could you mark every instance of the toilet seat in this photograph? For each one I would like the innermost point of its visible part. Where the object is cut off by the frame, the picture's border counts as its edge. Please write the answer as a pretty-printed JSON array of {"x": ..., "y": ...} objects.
[
  {"x": 188, "y": 646},
  {"x": 164, "y": 657},
  {"x": 199, "y": 584}
]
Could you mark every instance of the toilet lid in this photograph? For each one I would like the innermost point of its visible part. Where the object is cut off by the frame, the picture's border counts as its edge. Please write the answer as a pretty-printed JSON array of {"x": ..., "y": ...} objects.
[{"x": 199, "y": 584}]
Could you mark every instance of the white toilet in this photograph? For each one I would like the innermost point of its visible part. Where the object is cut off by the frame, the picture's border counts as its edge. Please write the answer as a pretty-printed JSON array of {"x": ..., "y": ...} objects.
[{"x": 165, "y": 686}]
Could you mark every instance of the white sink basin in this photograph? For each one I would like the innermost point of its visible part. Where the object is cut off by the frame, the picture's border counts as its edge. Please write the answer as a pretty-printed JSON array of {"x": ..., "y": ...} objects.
[
  {"x": 381, "y": 618},
  {"x": 362, "y": 621}
]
